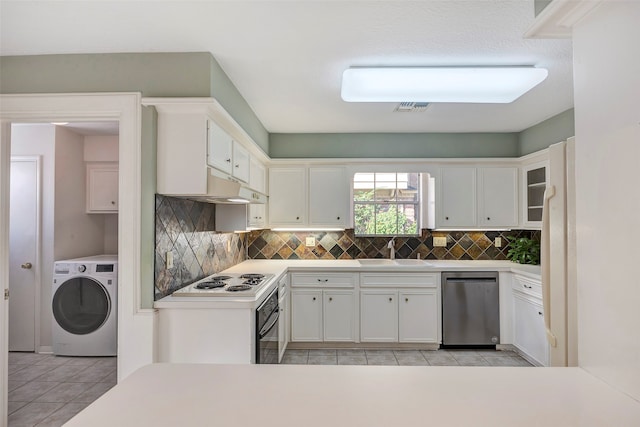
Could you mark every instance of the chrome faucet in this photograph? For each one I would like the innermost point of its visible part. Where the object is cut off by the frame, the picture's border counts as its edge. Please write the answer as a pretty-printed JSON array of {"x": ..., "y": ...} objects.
[{"x": 392, "y": 249}]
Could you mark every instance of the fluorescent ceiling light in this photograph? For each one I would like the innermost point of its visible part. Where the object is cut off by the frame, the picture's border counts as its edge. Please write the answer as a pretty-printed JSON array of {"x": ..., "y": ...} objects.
[{"x": 439, "y": 84}]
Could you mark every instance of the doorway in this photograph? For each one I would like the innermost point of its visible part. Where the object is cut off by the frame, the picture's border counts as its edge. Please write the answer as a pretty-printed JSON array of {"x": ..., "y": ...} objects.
[{"x": 135, "y": 321}]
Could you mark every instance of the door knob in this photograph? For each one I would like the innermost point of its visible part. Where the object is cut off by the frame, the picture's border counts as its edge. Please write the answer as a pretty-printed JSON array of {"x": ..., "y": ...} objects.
[{"x": 27, "y": 265}]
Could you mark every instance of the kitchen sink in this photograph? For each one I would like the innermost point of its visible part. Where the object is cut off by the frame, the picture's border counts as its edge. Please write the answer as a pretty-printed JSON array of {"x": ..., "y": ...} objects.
[
  {"x": 376, "y": 261},
  {"x": 420, "y": 262},
  {"x": 391, "y": 262}
]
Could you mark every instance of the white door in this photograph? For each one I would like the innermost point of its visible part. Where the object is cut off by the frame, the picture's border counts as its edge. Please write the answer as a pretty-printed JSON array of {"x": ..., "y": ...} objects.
[
  {"x": 306, "y": 315},
  {"x": 23, "y": 244},
  {"x": 328, "y": 196},
  {"x": 456, "y": 197},
  {"x": 287, "y": 202},
  {"x": 498, "y": 197}
]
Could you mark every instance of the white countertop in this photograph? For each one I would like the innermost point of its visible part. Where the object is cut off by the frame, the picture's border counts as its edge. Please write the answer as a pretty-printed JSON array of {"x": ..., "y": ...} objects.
[
  {"x": 303, "y": 395},
  {"x": 280, "y": 267}
]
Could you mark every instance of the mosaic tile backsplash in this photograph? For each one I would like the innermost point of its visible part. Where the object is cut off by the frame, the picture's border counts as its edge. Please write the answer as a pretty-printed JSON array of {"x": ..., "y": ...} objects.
[
  {"x": 461, "y": 245},
  {"x": 186, "y": 228}
]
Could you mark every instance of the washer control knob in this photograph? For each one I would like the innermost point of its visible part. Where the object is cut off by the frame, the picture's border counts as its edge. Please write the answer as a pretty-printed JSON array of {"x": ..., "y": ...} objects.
[{"x": 82, "y": 268}]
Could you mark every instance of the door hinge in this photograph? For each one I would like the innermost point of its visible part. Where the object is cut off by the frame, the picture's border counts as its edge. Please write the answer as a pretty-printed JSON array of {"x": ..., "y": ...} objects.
[{"x": 6, "y": 294}]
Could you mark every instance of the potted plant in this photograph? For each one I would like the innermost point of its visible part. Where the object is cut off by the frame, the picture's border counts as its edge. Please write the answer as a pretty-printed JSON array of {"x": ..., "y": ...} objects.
[{"x": 523, "y": 250}]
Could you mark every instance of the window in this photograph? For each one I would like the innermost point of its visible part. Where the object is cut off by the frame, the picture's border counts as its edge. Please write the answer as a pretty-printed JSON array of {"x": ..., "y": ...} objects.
[{"x": 386, "y": 204}]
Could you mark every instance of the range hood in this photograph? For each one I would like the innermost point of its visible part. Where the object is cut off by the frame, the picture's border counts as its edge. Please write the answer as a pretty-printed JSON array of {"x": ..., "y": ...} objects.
[{"x": 228, "y": 190}]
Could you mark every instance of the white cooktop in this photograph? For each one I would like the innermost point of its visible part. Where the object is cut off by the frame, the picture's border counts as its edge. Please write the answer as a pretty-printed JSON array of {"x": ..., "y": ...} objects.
[{"x": 230, "y": 282}]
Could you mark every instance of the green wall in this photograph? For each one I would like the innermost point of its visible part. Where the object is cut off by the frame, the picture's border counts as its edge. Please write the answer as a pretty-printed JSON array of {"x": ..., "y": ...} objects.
[
  {"x": 193, "y": 74},
  {"x": 394, "y": 145},
  {"x": 557, "y": 128}
]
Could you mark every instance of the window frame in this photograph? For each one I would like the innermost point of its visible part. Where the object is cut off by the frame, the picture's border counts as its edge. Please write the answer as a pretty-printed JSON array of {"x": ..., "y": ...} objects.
[{"x": 417, "y": 204}]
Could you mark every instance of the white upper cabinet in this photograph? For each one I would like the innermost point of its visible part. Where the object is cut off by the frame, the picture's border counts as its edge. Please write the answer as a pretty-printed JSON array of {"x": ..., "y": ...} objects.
[
  {"x": 498, "y": 197},
  {"x": 227, "y": 155},
  {"x": 102, "y": 187},
  {"x": 328, "y": 196},
  {"x": 456, "y": 197},
  {"x": 534, "y": 182},
  {"x": 257, "y": 176},
  {"x": 220, "y": 152},
  {"x": 317, "y": 196},
  {"x": 469, "y": 197},
  {"x": 287, "y": 196},
  {"x": 197, "y": 138}
]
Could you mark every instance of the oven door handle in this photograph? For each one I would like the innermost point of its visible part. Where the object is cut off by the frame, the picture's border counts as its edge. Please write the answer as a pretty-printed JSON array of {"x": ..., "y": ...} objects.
[{"x": 265, "y": 330}]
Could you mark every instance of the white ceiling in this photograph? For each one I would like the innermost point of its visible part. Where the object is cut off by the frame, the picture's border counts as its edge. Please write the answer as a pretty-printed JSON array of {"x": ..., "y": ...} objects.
[{"x": 287, "y": 57}]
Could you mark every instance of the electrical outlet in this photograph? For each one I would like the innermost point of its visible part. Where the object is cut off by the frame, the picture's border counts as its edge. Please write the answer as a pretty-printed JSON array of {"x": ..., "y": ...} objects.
[
  {"x": 439, "y": 242},
  {"x": 498, "y": 242},
  {"x": 310, "y": 241},
  {"x": 169, "y": 259}
]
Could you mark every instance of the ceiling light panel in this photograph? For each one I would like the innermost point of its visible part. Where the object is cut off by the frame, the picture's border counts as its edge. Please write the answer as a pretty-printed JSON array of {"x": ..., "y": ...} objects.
[{"x": 498, "y": 85}]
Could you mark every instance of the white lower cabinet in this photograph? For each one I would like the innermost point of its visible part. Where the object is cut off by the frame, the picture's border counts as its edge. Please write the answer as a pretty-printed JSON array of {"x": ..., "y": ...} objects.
[
  {"x": 418, "y": 316},
  {"x": 283, "y": 326},
  {"x": 407, "y": 313},
  {"x": 378, "y": 316},
  {"x": 323, "y": 307},
  {"x": 529, "y": 333},
  {"x": 306, "y": 315},
  {"x": 318, "y": 315}
]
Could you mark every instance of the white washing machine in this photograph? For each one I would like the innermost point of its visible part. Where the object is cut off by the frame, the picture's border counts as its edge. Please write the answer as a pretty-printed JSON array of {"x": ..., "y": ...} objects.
[{"x": 84, "y": 303}]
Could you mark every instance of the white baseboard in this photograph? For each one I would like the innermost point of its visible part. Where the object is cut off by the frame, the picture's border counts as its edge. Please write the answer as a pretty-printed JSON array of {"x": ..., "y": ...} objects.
[{"x": 45, "y": 349}]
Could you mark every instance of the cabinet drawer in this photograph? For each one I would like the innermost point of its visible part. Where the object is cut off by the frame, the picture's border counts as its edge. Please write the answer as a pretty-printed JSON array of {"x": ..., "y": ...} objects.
[
  {"x": 412, "y": 280},
  {"x": 319, "y": 279},
  {"x": 526, "y": 285}
]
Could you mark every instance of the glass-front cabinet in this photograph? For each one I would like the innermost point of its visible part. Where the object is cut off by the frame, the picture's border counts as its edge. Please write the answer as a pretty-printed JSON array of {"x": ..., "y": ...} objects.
[{"x": 535, "y": 180}]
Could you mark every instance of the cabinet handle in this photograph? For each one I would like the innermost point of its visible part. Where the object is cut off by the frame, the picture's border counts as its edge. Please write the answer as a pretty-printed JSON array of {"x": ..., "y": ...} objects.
[
  {"x": 540, "y": 313},
  {"x": 237, "y": 165},
  {"x": 447, "y": 218},
  {"x": 113, "y": 203},
  {"x": 228, "y": 160},
  {"x": 488, "y": 218},
  {"x": 527, "y": 287},
  {"x": 314, "y": 298},
  {"x": 338, "y": 218},
  {"x": 330, "y": 299},
  {"x": 390, "y": 299},
  {"x": 406, "y": 300},
  {"x": 297, "y": 217},
  {"x": 323, "y": 280}
]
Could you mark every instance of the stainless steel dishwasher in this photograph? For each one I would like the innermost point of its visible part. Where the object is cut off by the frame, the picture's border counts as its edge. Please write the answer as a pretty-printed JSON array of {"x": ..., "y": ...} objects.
[{"x": 470, "y": 309}]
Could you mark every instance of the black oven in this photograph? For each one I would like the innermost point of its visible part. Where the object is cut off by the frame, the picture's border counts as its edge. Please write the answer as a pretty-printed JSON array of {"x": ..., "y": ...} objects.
[{"x": 267, "y": 315}]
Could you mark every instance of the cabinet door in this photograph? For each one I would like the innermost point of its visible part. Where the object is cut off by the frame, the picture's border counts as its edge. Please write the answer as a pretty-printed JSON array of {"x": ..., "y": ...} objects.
[
  {"x": 282, "y": 327},
  {"x": 418, "y": 316},
  {"x": 339, "y": 315},
  {"x": 306, "y": 315},
  {"x": 256, "y": 215},
  {"x": 287, "y": 201},
  {"x": 328, "y": 196},
  {"x": 257, "y": 176},
  {"x": 240, "y": 162},
  {"x": 456, "y": 197},
  {"x": 378, "y": 316},
  {"x": 529, "y": 330},
  {"x": 534, "y": 179},
  {"x": 220, "y": 146},
  {"x": 498, "y": 197},
  {"x": 102, "y": 188}
]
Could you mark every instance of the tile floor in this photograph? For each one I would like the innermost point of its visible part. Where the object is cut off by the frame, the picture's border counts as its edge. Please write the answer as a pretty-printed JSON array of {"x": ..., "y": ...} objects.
[
  {"x": 47, "y": 390},
  {"x": 405, "y": 357}
]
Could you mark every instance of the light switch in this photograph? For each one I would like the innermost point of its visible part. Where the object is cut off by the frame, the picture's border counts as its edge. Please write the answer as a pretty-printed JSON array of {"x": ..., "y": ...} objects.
[
  {"x": 439, "y": 241},
  {"x": 310, "y": 241},
  {"x": 498, "y": 242},
  {"x": 169, "y": 259}
]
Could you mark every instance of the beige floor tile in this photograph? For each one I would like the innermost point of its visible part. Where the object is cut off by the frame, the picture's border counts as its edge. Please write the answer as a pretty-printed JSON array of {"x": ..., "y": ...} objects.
[
  {"x": 32, "y": 413},
  {"x": 322, "y": 352},
  {"x": 30, "y": 391},
  {"x": 322, "y": 360},
  {"x": 64, "y": 392},
  {"x": 352, "y": 360},
  {"x": 381, "y": 360},
  {"x": 62, "y": 415},
  {"x": 471, "y": 361}
]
